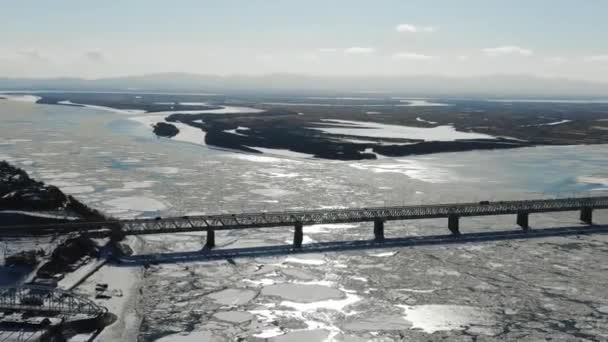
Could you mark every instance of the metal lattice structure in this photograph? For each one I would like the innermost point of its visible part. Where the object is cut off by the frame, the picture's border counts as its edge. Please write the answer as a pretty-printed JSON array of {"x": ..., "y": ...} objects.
[
  {"x": 47, "y": 301},
  {"x": 309, "y": 217},
  {"x": 291, "y": 218}
]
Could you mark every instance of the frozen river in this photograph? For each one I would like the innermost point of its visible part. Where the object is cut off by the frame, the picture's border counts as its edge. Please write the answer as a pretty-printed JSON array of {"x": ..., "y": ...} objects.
[{"x": 527, "y": 290}]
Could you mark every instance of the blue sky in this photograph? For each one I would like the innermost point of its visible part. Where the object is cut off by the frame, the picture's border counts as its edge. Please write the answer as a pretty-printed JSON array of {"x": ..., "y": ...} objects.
[{"x": 386, "y": 37}]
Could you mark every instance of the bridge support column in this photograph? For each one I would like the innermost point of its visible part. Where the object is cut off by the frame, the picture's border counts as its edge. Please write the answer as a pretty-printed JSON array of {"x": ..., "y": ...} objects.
[
  {"x": 379, "y": 230},
  {"x": 210, "y": 239},
  {"x": 298, "y": 235},
  {"x": 587, "y": 215},
  {"x": 454, "y": 224},
  {"x": 522, "y": 221}
]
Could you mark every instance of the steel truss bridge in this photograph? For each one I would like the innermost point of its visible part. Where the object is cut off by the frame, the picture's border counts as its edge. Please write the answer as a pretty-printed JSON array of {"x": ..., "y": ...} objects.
[
  {"x": 47, "y": 302},
  {"x": 299, "y": 219}
]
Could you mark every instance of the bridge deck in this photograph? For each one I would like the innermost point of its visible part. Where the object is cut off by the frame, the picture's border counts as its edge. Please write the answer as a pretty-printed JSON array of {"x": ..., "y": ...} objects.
[{"x": 309, "y": 217}]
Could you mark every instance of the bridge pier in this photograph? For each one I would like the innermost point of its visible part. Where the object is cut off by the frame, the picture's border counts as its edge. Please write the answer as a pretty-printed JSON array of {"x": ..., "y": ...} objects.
[
  {"x": 522, "y": 221},
  {"x": 379, "y": 230},
  {"x": 587, "y": 215},
  {"x": 298, "y": 235},
  {"x": 454, "y": 224},
  {"x": 210, "y": 239}
]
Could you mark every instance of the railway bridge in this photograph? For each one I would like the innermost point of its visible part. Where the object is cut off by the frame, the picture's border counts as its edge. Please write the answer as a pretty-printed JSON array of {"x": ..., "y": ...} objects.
[
  {"x": 47, "y": 301},
  {"x": 299, "y": 219},
  {"x": 37, "y": 313}
]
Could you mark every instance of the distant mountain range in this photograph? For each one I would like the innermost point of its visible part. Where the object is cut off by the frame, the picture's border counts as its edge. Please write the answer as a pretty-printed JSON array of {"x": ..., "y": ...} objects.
[{"x": 288, "y": 84}]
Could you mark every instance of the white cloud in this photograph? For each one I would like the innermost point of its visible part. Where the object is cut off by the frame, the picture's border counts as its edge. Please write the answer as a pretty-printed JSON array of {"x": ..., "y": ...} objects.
[
  {"x": 413, "y": 56},
  {"x": 463, "y": 58},
  {"x": 360, "y": 50},
  {"x": 409, "y": 28},
  {"x": 328, "y": 50},
  {"x": 597, "y": 58},
  {"x": 507, "y": 50}
]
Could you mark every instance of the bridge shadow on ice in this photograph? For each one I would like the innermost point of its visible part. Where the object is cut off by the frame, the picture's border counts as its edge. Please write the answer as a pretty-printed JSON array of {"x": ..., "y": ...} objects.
[{"x": 337, "y": 246}]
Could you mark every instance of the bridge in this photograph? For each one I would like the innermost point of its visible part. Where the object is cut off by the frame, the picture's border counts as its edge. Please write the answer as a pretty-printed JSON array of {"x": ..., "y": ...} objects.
[
  {"x": 37, "y": 313},
  {"x": 298, "y": 219},
  {"x": 47, "y": 301}
]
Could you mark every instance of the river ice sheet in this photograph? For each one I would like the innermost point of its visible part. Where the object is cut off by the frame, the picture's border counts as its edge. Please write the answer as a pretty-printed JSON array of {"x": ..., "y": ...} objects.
[{"x": 529, "y": 287}]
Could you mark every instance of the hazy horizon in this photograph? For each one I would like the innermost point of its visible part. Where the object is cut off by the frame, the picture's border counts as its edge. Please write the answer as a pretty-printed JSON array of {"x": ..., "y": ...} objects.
[{"x": 471, "y": 38}]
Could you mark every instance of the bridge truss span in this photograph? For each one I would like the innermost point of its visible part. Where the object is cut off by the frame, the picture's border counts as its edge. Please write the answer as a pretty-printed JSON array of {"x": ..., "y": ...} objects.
[
  {"x": 47, "y": 301},
  {"x": 297, "y": 219},
  {"x": 310, "y": 217}
]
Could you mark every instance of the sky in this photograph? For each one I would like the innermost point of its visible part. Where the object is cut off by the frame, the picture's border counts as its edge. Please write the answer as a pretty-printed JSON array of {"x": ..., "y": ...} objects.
[{"x": 94, "y": 39}]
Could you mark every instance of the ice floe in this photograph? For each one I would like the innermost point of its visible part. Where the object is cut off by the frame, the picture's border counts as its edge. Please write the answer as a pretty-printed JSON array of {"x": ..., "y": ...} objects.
[
  {"x": 233, "y": 296},
  {"x": 432, "y": 318}
]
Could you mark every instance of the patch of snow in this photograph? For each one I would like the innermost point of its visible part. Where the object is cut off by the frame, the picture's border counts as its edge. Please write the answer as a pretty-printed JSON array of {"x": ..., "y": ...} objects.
[
  {"x": 429, "y": 122},
  {"x": 189, "y": 134},
  {"x": 418, "y": 291},
  {"x": 555, "y": 123},
  {"x": 382, "y": 255},
  {"x": 239, "y": 128},
  {"x": 268, "y": 333},
  {"x": 254, "y": 158},
  {"x": 21, "y": 98},
  {"x": 264, "y": 281},
  {"x": 330, "y": 304},
  {"x": 326, "y": 228},
  {"x": 421, "y": 103},
  {"x": 432, "y": 318},
  {"x": 359, "y": 278},
  {"x": 313, "y": 262},
  {"x": 378, "y": 130},
  {"x": 107, "y": 109}
]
